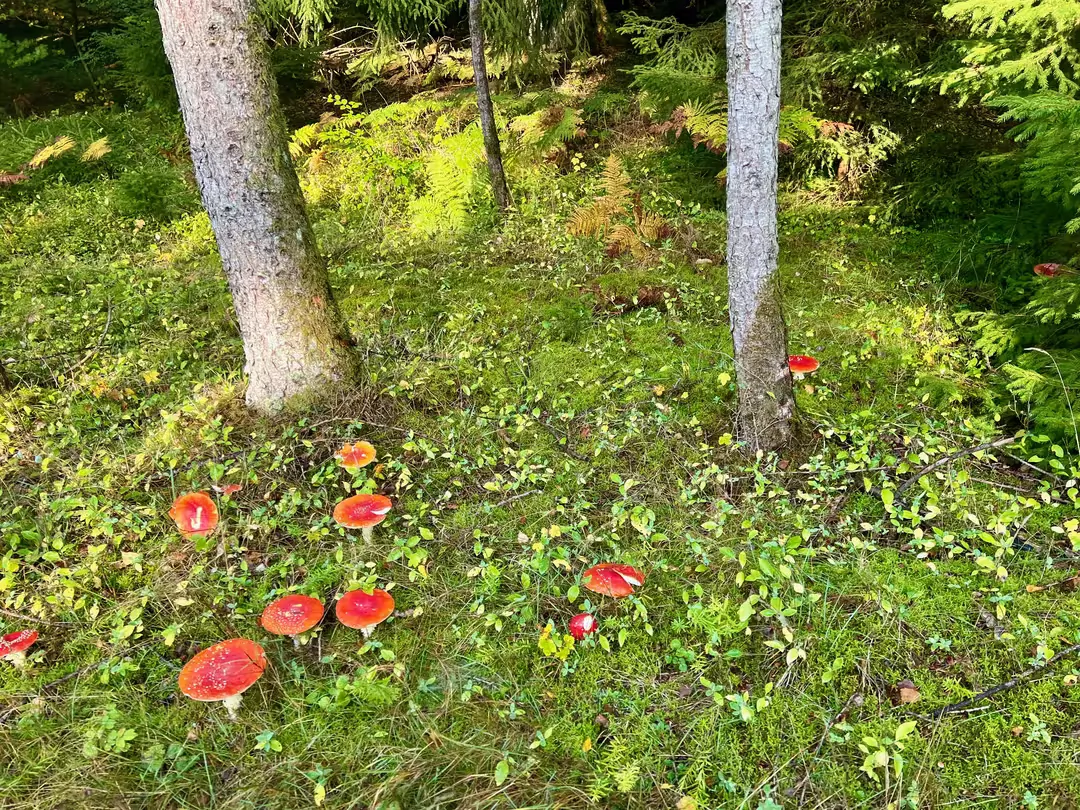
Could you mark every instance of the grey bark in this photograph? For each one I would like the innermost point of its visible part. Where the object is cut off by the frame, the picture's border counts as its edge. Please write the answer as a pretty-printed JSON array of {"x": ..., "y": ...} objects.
[
  {"x": 487, "y": 111},
  {"x": 766, "y": 405},
  {"x": 293, "y": 341}
]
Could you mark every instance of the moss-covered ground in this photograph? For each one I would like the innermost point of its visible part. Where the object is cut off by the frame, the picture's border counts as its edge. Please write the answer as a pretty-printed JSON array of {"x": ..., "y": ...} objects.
[{"x": 537, "y": 406}]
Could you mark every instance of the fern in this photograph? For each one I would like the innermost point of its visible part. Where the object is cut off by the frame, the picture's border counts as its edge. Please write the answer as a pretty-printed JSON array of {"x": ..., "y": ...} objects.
[
  {"x": 617, "y": 215},
  {"x": 450, "y": 170},
  {"x": 96, "y": 151},
  {"x": 548, "y": 130},
  {"x": 58, "y": 147}
]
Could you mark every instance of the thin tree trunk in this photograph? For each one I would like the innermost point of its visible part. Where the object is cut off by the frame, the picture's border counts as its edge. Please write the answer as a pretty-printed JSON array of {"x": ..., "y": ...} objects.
[
  {"x": 766, "y": 405},
  {"x": 487, "y": 111},
  {"x": 293, "y": 340}
]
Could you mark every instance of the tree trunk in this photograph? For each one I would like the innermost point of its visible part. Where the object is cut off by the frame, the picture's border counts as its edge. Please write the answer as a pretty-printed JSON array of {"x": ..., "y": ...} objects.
[
  {"x": 487, "y": 111},
  {"x": 766, "y": 405},
  {"x": 294, "y": 344}
]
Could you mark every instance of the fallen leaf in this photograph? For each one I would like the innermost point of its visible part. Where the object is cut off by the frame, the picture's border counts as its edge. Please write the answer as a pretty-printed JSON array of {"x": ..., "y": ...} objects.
[
  {"x": 907, "y": 692},
  {"x": 587, "y": 745}
]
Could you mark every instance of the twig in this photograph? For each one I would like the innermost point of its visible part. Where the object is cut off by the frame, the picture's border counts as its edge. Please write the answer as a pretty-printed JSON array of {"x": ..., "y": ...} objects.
[
  {"x": 856, "y": 697},
  {"x": 518, "y": 497},
  {"x": 941, "y": 462},
  {"x": 1012, "y": 683},
  {"x": 1039, "y": 470},
  {"x": 32, "y": 619}
]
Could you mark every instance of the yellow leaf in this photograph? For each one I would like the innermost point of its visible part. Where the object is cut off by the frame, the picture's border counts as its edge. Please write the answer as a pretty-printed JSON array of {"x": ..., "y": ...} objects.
[
  {"x": 320, "y": 794},
  {"x": 587, "y": 745}
]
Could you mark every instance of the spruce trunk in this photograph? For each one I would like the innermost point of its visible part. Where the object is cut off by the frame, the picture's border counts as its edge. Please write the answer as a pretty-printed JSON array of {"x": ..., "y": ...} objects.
[
  {"x": 766, "y": 405},
  {"x": 487, "y": 111},
  {"x": 294, "y": 344}
]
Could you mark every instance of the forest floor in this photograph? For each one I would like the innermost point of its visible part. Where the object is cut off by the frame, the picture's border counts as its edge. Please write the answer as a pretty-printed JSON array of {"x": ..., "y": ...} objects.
[{"x": 538, "y": 406}]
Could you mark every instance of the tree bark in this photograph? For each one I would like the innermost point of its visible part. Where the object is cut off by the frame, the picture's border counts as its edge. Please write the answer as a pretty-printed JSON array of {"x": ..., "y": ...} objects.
[
  {"x": 766, "y": 405},
  {"x": 294, "y": 344},
  {"x": 487, "y": 111}
]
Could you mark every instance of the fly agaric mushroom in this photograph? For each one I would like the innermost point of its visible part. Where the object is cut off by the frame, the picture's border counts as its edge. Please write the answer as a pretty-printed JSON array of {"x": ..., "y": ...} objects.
[
  {"x": 292, "y": 615},
  {"x": 195, "y": 514},
  {"x": 362, "y": 611},
  {"x": 223, "y": 672},
  {"x": 13, "y": 646},
  {"x": 362, "y": 512},
  {"x": 582, "y": 625},
  {"x": 355, "y": 456},
  {"x": 802, "y": 364},
  {"x": 1050, "y": 270},
  {"x": 613, "y": 579}
]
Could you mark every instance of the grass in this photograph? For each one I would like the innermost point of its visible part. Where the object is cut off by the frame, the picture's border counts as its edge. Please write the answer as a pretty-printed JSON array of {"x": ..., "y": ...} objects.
[{"x": 532, "y": 417}]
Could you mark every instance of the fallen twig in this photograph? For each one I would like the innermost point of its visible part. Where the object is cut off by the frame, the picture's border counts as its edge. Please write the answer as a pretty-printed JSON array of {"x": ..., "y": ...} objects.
[
  {"x": 941, "y": 462},
  {"x": 839, "y": 717},
  {"x": 1012, "y": 683},
  {"x": 517, "y": 497}
]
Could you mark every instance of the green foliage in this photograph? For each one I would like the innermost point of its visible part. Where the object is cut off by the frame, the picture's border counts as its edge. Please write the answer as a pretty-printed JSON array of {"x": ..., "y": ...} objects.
[
  {"x": 131, "y": 58},
  {"x": 1019, "y": 45},
  {"x": 451, "y": 171},
  {"x": 1049, "y": 126},
  {"x": 539, "y": 403}
]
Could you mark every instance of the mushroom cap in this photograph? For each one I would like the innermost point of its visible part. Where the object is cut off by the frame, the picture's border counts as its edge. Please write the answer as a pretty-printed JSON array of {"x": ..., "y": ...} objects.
[
  {"x": 358, "y": 609},
  {"x": 17, "y": 642},
  {"x": 802, "y": 363},
  {"x": 362, "y": 511},
  {"x": 223, "y": 671},
  {"x": 613, "y": 579},
  {"x": 293, "y": 614},
  {"x": 195, "y": 514},
  {"x": 1049, "y": 269},
  {"x": 355, "y": 456},
  {"x": 582, "y": 625}
]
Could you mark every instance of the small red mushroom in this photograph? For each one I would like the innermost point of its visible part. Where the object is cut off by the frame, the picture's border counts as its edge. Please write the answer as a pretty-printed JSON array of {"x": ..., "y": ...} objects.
[
  {"x": 582, "y": 625},
  {"x": 223, "y": 672},
  {"x": 1051, "y": 270},
  {"x": 195, "y": 514},
  {"x": 355, "y": 456},
  {"x": 13, "y": 646},
  {"x": 613, "y": 579},
  {"x": 362, "y": 611},
  {"x": 228, "y": 489},
  {"x": 362, "y": 512},
  {"x": 802, "y": 364},
  {"x": 292, "y": 615}
]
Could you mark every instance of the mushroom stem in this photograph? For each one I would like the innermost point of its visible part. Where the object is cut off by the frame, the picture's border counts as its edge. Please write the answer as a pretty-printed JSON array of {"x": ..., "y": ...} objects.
[
  {"x": 18, "y": 659},
  {"x": 367, "y": 630},
  {"x": 368, "y": 531},
  {"x": 231, "y": 704},
  {"x": 296, "y": 642}
]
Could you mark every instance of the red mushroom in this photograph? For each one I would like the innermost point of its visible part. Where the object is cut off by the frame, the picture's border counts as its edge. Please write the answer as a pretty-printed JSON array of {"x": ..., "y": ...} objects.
[
  {"x": 582, "y": 625},
  {"x": 223, "y": 672},
  {"x": 362, "y": 611},
  {"x": 355, "y": 456},
  {"x": 292, "y": 615},
  {"x": 1051, "y": 270},
  {"x": 195, "y": 514},
  {"x": 362, "y": 512},
  {"x": 613, "y": 579},
  {"x": 802, "y": 364},
  {"x": 13, "y": 646}
]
